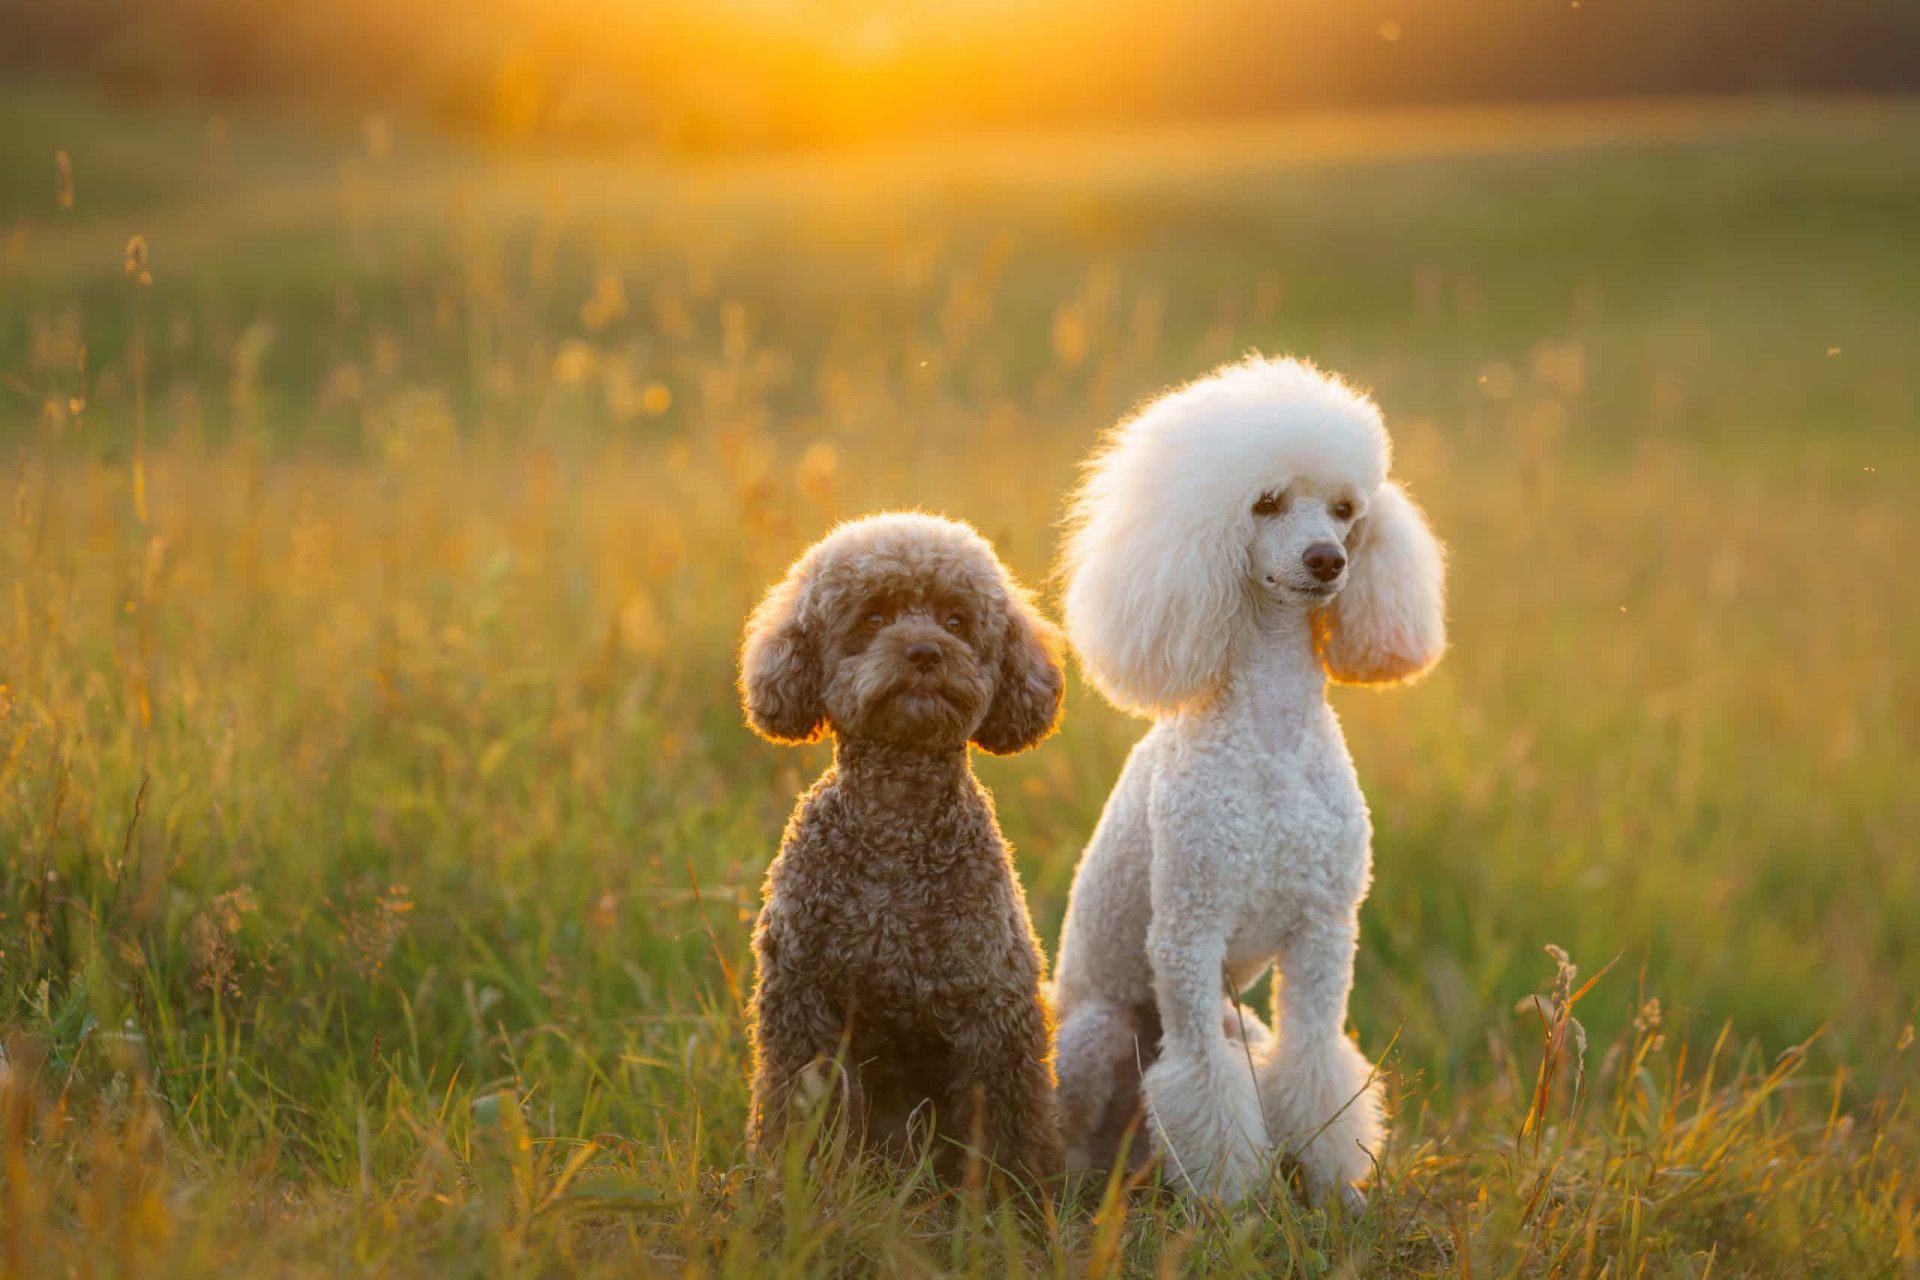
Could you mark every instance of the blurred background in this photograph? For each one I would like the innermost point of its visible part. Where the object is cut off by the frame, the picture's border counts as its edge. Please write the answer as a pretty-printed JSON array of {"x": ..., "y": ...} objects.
[
  {"x": 733, "y": 74},
  {"x": 402, "y": 405}
]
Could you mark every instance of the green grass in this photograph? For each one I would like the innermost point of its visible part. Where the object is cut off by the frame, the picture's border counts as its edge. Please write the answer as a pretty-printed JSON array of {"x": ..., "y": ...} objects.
[{"x": 381, "y": 835}]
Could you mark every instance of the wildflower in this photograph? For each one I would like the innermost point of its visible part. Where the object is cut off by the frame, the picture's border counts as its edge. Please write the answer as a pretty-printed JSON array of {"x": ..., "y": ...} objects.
[
  {"x": 1647, "y": 1022},
  {"x": 137, "y": 260}
]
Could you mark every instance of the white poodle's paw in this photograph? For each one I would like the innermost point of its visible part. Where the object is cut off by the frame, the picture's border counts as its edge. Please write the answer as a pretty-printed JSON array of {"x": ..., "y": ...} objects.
[
  {"x": 1208, "y": 1127},
  {"x": 1322, "y": 1102}
]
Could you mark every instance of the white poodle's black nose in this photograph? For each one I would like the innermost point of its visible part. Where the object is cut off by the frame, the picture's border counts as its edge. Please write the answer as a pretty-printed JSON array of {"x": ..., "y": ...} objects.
[
  {"x": 1324, "y": 560},
  {"x": 923, "y": 654}
]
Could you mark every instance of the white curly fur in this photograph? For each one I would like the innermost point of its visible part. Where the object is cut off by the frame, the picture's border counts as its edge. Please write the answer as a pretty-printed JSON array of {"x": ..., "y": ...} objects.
[{"x": 1237, "y": 836}]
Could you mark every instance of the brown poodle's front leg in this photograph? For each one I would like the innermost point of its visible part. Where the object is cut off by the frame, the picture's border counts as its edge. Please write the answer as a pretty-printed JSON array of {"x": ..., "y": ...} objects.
[
  {"x": 1001, "y": 1094},
  {"x": 798, "y": 1058}
]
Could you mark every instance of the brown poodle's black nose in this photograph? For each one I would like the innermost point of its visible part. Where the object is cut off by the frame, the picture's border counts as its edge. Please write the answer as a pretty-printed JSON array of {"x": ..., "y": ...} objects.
[
  {"x": 1324, "y": 561},
  {"x": 923, "y": 654}
]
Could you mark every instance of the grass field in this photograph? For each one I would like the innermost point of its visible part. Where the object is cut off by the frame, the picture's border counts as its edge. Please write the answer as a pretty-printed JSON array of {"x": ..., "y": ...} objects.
[{"x": 380, "y": 834}]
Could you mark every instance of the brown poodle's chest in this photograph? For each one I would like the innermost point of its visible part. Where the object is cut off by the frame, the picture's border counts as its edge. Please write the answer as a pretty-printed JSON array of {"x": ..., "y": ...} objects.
[
  {"x": 898, "y": 948},
  {"x": 906, "y": 943},
  {"x": 905, "y": 918},
  {"x": 901, "y": 981}
]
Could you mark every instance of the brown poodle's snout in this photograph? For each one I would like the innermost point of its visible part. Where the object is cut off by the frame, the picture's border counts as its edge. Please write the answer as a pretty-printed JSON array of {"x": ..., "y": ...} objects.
[
  {"x": 920, "y": 656},
  {"x": 916, "y": 682}
]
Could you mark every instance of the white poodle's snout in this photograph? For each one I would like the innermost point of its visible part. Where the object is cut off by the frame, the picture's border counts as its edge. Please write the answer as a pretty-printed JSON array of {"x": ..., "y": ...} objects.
[{"x": 1299, "y": 547}]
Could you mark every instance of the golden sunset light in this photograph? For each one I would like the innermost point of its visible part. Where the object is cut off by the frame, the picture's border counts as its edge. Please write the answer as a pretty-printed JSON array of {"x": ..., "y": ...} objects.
[{"x": 959, "y": 638}]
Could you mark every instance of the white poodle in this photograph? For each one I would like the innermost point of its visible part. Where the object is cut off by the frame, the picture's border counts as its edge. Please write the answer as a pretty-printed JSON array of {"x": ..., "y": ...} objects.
[{"x": 1233, "y": 546}]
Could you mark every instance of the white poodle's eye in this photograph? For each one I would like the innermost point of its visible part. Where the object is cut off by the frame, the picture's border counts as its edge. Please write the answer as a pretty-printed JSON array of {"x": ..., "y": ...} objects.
[
  {"x": 1343, "y": 510},
  {"x": 955, "y": 622},
  {"x": 1271, "y": 503}
]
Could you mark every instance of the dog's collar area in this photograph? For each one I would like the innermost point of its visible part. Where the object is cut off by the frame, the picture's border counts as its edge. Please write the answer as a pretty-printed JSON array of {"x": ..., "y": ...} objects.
[{"x": 900, "y": 763}]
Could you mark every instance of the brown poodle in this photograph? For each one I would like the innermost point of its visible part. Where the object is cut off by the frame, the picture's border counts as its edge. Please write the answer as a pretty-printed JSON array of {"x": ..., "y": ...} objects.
[{"x": 898, "y": 973}]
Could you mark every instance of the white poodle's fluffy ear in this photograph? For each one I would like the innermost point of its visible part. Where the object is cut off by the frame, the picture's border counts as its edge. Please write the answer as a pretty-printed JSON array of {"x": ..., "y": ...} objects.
[
  {"x": 1389, "y": 623},
  {"x": 779, "y": 669},
  {"x": 1155, "y": 591},
  {"x": 1026, "y": 701}
]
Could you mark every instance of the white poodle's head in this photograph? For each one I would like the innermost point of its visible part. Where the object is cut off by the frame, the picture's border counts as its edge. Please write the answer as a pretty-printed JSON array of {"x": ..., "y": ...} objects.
[{"x": 1264, "y": 482}]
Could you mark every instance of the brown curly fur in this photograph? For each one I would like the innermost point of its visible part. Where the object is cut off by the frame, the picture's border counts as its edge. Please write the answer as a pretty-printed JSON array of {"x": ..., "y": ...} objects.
[{"x": 894, "y": 939}]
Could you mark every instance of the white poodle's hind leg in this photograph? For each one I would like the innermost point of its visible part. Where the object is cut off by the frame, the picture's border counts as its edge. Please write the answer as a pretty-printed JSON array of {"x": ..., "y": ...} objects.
[
  {"x": 1321, "y": 1096},
  {"x": 1201, "y": 1098},
  {"x": 1097, "y": 1050}
]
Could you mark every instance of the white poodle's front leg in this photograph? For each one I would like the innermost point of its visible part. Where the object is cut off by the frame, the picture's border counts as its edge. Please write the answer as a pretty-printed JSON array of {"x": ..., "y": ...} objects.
[
  {"x": 1201, "y": 1097},
  {"x": 1320, "y": 1094}
]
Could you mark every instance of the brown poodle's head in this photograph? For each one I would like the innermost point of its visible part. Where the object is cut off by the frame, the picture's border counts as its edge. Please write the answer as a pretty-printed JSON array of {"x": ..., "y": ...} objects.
[{"x": 904, "y": 628}]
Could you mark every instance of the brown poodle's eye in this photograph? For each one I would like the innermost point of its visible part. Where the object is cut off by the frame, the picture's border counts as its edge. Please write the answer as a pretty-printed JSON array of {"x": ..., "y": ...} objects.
[
  {"x": 1343, "y": 511},
  {"x": 1270, "y": 504},
  {"x": 876, "y": 619},
  {"x": 955, "y": 622}
]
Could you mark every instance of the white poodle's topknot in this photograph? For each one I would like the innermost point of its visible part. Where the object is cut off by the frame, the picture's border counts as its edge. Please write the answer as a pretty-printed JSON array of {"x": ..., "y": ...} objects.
[{"x": 1156, "y": 550}]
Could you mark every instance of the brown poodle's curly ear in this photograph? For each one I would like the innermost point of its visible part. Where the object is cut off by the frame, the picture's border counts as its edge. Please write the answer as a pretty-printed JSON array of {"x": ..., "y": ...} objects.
[
  {"x": 780, "y": 670},
  {"x": 1026, "y": 702}
]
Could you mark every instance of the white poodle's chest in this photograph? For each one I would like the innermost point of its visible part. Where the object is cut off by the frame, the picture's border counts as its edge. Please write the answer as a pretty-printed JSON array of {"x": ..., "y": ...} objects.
[
  {"x": 1286, "y": 831},
  {"x": 1312, "y": 856}
]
